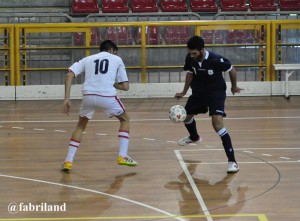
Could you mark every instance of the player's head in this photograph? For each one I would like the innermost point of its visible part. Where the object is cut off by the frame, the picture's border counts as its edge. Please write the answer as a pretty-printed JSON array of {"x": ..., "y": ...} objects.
[
  {"x": 108, "y": 46},
  {"x": 195, "y": 46}
]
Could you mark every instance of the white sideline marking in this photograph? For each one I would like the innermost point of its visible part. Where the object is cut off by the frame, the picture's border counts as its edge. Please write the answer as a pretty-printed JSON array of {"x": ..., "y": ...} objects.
[
  {"x": 145, "y": 138},
  {"x": 97, "y": 192},
  {"x": 100, "y": 134},
  {"x": 285, "y": 158},
  {"x": 20, "y": 128},
  {"x": 193, "y": 185},
  {"x": 62, "y": 131},
  {"x": 144, "y": 120}
]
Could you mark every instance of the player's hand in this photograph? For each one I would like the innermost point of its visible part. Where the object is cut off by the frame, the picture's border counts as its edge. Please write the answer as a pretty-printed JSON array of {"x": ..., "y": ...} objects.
[
  {"x": 67, "y": 107},
  {"x": 179, "y": 95},
  {"x": 236, "y": 90}
]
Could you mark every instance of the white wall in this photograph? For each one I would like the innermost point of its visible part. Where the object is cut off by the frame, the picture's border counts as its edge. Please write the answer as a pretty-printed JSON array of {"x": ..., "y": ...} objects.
[{"x": 47, "y": 92}]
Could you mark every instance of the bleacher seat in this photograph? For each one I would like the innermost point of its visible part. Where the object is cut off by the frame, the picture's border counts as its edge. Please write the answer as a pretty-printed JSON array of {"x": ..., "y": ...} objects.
[
  {"x": 204, "y": 6},
  {"x": 177, "y": 35},
  {"x": 262, "y": 5},
  {"x": 85, "y": 6},
  {"x": 233, "y": 5},
  {"x": 115, "y": 6},
  {"x": 212, "y": 37},
  {"x": 119, "y": 35},
  {"x": 152, "y": 36},
  {"x": 231, "y": 38},
  {"x": 95, "y": 36},
  {"x": 289, "y": 5},
  {"x": 173, "y": 6},
  {"x": 144, "y": 6},
  {"x": 240, "y": 37},
  {"x": 79, "y": 38}
]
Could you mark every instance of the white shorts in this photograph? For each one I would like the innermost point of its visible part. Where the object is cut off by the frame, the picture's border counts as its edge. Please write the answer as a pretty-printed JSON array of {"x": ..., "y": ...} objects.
[{"x": 110, "y": 105}]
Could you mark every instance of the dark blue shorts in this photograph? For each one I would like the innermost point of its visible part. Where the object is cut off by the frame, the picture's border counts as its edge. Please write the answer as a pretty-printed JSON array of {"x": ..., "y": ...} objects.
[{"x": 214, "y": 103}]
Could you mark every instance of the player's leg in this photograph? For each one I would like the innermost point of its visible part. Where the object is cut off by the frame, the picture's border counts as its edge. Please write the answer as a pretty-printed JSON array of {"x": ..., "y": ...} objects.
[
  {"x": 217, "y": 113},
  {"x": 75, "y": 142},
  {"x": 86, "y": 113},
  {"x": 190, "y": 123},
  {"x": 114, "y": 107}
]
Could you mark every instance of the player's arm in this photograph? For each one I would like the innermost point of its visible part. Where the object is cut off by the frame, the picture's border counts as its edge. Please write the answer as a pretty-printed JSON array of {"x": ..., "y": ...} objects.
[
  {"x": 187, "y": 83},
  {"x": 234, "y": 87},
  {"x": 68, "y": 83},
  {"x": 124, "y": 86}
]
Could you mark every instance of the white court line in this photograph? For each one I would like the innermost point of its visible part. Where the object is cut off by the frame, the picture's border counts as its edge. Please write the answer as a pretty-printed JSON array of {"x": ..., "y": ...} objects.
[
  {"x": 145, "y": 138},
  {"x": 62, "y": 131},
  {"x": 21, "y": 128},
  {"x": 141, "y": 120},
  {"x": 100, "y": 134},
  {"x": 38, "y": 129},
  {"x": 244, "y": 149},
  {"x": 193, "y": 185},
  {"x": 285, "y": 158},
  {"x": 267, "y": 155},
  {"x": 250, "y": 162},
  {"x": 97, "y": 192}
]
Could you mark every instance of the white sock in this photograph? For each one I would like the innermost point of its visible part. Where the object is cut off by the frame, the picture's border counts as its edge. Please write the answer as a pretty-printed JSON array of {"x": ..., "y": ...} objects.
[
  {"x": 73, "y": 146},
  {"x": 123, "y": 142}
]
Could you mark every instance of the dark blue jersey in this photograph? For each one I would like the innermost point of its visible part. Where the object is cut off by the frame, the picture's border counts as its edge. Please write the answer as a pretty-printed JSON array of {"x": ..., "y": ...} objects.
[{"x": 208, "y": 74}]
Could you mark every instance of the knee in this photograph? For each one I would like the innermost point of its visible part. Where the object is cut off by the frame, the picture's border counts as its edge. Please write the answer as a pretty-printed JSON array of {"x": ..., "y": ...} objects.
[
  {"x": 217, "y": 124},
  {"x": 124, "y": 117}
]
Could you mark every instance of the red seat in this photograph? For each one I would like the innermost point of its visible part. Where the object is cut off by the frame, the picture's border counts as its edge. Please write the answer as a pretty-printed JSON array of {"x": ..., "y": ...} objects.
[
  {"x": 95, "y": 36},
  {"x": 289, "y": 5},
  {"x": 84, "y": 6},
  {"x": 173, "y": 6},
  {"x": 119, "y": 35},
  {"x": 262, "y": 5},
  {"x": 212, "y": 37},
  {"x": 207, "y": 36},
  {"x": 79, "y": 37},
  {"x": 152, "y": 36},
  {"x": 233, "y": 5},
  {"x": 115, "y": 6},
  {"x": 233, "y": 36},
  {"x": 144, "y": 6},
  {"x": 240, "y": 37},
  {"x": 177, "y": 35},
  {"x": 204, "y": 6}
]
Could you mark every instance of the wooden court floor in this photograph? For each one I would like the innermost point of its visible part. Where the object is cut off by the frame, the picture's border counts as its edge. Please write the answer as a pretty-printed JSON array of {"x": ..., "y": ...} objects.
[{"x": 170, "y": 183}]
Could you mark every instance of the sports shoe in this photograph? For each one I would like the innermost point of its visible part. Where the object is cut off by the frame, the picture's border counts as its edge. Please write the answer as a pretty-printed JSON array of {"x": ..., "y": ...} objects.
[
  {"x": 67, "y": 166},
  {"x": 128, "y": 161},
  {"x": 187, "y": 140},
  {"x": 232, "y": 167}
]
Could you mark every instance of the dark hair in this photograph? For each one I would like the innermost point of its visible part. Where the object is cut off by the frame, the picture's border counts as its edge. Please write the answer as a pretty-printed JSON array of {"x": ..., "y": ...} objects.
[
  {"x": 107, "y": 45},
  {"x": 195, "y": 42}
]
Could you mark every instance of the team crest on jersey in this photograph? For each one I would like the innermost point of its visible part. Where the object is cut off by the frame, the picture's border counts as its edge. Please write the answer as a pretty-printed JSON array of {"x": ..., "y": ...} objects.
[{"x": 210, "y": 72}]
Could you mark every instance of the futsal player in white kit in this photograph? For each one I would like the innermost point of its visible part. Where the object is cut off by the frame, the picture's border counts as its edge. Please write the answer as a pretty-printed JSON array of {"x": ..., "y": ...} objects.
[{"x": 104, "y": 73}]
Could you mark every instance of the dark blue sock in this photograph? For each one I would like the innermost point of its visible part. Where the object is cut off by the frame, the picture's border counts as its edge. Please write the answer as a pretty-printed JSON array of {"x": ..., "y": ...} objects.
[
  {"x": 192, "y": 129},
  {"x": 226, "y": 140}
]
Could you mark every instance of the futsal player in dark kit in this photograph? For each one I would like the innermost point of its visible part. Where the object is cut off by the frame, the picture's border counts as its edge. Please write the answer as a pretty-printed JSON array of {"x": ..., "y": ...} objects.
[{"x": 204, "y": 74}]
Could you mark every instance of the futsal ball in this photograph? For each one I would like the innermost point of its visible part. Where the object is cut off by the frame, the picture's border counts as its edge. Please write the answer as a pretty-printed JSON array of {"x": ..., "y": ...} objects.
[{"x": 177, "y": 114}]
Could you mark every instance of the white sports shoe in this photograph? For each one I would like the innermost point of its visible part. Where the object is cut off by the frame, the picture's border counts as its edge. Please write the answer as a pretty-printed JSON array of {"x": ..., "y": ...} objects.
[
  {"x": 232, "y": 167},
  {"x": 186, "y": 140}
]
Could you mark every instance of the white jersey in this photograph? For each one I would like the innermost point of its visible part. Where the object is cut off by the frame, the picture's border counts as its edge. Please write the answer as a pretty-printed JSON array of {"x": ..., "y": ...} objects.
[{"x": 101, "y": 70}]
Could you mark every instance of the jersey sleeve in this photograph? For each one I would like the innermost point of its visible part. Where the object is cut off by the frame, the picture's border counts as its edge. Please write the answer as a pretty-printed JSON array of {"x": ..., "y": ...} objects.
[
  {"x": 187, "y": 65},
  {"x": 224, "y": 64},
  {"x": 121, "y": 74},
  {"x": 78, "y": 67}
]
